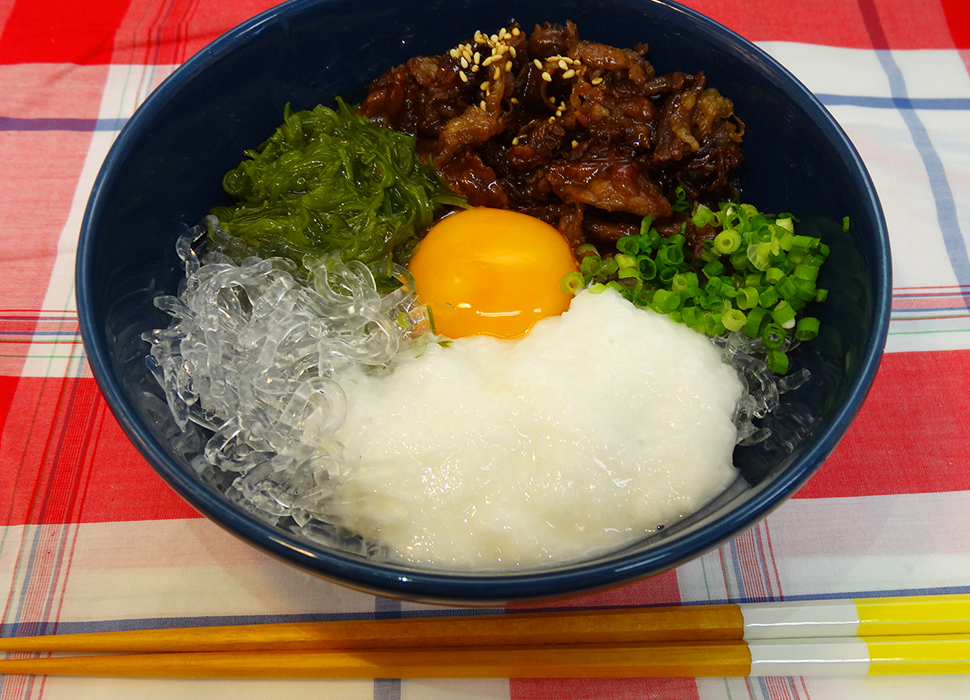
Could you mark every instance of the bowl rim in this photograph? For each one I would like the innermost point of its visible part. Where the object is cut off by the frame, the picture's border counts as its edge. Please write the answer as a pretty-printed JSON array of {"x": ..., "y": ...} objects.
[{"x": 472, "y": 588}]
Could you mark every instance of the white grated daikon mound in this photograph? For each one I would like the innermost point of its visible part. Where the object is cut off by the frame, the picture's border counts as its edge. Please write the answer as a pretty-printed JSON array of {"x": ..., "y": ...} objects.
[{"x": 599, "y": 426}]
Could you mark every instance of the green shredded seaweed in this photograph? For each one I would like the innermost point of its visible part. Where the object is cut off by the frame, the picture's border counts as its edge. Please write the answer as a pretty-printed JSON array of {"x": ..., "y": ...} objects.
[{"x": 332, "y": 184}]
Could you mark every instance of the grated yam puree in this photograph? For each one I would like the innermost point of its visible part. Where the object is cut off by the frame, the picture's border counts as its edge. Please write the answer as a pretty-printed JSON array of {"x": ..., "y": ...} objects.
[{"x": 587, "y": 434}]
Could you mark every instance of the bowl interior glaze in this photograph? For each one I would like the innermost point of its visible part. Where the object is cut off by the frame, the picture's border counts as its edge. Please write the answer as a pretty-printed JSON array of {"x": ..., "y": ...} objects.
[{"x": 164, "y": 171}]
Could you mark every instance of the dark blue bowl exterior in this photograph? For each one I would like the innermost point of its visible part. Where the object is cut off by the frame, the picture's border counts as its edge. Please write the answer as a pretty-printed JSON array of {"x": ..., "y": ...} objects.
[{"x": 165, "y": 169}]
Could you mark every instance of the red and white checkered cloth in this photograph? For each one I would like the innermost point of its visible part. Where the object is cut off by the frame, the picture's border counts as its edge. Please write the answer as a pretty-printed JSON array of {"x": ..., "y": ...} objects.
[{"x": 91, "y": 539}]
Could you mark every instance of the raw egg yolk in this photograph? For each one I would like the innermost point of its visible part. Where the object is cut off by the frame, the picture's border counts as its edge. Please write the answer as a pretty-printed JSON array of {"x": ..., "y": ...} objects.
[{"x": 491, "y": 272}]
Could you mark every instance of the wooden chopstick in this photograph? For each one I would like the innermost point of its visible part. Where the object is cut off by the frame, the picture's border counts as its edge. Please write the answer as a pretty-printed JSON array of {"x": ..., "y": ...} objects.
[
  {"x": 927, "y": 654},
  {"x": 944, "y": 614},
  {"x": 521, "y": 629}
]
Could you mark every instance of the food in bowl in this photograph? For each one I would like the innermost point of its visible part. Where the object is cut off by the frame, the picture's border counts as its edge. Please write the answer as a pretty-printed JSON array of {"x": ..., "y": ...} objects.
[{"x": 346, "y": 415}]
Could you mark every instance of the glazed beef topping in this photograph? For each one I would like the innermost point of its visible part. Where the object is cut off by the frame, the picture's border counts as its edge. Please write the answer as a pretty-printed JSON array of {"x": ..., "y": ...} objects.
[{"x": 582, "y": 135}]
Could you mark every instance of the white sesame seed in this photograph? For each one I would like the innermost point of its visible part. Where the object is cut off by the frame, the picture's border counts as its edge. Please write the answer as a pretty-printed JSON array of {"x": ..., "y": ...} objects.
[
  {"x": 482, "y": 105},
  {"x": 512, "y": 51},
  {"x": 477, "y": 58},
  {"x": 515, "y": 141},
  {"x": 575, "y": 143},
  {"x": 508, "y": 66},
  {"x": 474, "y": 69},
  {"x": 538, "y": 63},
  {"x": 454, "y": 53},
  {"x": 515, "y": 31},
  {"x": 464, "y": 78},
  {"x": 597, "y": 81},
  {"x": 497, "y": 74},
  {"x": 551, "y": 120},
  {"x": 514, "y": 100},
  {"x": 464, "y": 62},
  {"x": 484, "y": 86},
  {"x": 562, "y": 64},
  {"x": 569, "y": 74},
  {"x": 546, "y": 76}
]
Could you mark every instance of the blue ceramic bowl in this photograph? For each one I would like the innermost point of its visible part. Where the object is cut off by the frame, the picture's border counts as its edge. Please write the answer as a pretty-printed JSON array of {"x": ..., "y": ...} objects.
[{"x": 164, "y": 173}]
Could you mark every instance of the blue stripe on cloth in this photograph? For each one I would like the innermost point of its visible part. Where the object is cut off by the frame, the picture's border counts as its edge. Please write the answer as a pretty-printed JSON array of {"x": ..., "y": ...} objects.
[
  {"x": 934, "y": 103},
  {"x": 60, "y": 124},
  {"x": 894, "y": 102},
  {"x": 946, "y": 212},
  {"x": 736, "y": 566},
  {"x": 900, "y": 103}
]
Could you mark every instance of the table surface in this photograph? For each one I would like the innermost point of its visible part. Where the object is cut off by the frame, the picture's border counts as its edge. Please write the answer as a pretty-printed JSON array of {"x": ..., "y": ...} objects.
[{"x": 91, "y": 539}]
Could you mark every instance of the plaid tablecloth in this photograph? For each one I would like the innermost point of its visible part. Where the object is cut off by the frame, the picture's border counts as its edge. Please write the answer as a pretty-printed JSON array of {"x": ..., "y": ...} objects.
[{"x": 91, "y": 539}]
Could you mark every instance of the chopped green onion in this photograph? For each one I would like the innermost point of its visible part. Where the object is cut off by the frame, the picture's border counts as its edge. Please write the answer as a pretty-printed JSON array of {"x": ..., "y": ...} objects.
[
  {"x": 629, "y": 245},
  {"x": 691, "y": 316},
  {"x": 773, "y": 336},
  {"x": 624, "y": 260},
  {"x": 664, "y": 301},
  {"x": 747, "y": 297},
  {"x": 752, "y": 328},
  {"x": 785, "y": 288},
  {"x": 646, "y": 223},
  {"x": 648, "y": 268},
  {"x": 806, "y": 272},
  {"x": 786, "y": 223},
  {"x": 804, "y": 290},
  {"x": 703, "y": 217},
  {"x": 591, "y": 265},
  {"x": 751, "y": 274},
  {"x": 734, "y": 319},
  {"x": 670, "y": 255},
  {"x": 681, "y": 203},
  {"x": 727, "y": 241},
  {"x": 759, "y": 255},
  {"x": 768, "y": 297},
  {"x": 572, "y": 282},
  {"x": 783, "y": 313},
  {"x": 777, "y": 362},
  {"x": 713, "y": 324},
  {"x": 713, "y": 268},
  {"x": 806, "y": 328}
]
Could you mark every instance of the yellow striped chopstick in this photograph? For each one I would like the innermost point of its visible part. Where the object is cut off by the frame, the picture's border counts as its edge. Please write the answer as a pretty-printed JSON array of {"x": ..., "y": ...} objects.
[
  {"x": 916, "y": 615},
  {"x": 875, "y": 635},
  {"x": 920, "y": 654}
]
